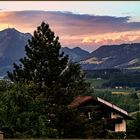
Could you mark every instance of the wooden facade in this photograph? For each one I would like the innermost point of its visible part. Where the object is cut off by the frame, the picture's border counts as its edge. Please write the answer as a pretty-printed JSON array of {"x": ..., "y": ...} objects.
[{"x": 115, "y": 116}]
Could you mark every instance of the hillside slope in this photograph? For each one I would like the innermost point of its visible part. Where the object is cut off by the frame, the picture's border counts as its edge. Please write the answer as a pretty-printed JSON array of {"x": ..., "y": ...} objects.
[{"x": 114, "y": 56}]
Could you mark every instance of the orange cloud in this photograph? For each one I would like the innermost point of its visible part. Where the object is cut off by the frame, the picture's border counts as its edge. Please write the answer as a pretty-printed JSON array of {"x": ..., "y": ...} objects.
[
  {"x": 115, "y": 38},
  {"x": 86, "y": 40}
]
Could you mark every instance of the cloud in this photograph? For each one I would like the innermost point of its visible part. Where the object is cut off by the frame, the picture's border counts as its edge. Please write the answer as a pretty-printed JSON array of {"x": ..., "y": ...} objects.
[
  {"x": 114, "y": 38},
  {"x": 86, "y": 40},
  {"x": 75, "y": 29},
  {"x": 69, "y": 22}
]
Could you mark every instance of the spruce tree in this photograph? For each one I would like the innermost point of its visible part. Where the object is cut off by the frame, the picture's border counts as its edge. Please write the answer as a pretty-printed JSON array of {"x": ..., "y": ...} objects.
[
  {"x": 46, "y": 66},
  {"x": 58, "y": 80},
  {"x": 43, "y": 62}
]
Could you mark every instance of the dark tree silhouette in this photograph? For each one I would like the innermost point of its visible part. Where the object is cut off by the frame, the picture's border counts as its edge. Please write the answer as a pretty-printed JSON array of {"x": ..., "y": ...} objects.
[{"x": 58, "y": 80}]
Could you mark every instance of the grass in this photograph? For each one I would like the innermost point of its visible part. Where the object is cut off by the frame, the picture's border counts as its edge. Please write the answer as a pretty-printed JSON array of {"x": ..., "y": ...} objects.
[
  {"x": 134, "y": 68},
  {"x": 120, "y": 92},
  {"x": 116, "y": 91},
  {"x": 97, "y": 84}
]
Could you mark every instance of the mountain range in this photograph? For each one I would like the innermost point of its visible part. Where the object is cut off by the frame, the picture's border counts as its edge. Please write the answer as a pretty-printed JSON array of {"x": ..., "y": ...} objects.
[
  {"x": 12, "y": 45},
  {"x": 114, "y": 56}
]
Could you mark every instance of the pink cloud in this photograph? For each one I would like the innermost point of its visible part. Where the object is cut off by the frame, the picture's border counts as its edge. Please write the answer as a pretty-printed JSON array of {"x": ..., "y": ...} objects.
[{"x": 74, "y": 29}]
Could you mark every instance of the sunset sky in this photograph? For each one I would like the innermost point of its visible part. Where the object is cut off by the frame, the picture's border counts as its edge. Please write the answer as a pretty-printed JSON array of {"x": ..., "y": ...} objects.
[{"x": 87, "y": 24}]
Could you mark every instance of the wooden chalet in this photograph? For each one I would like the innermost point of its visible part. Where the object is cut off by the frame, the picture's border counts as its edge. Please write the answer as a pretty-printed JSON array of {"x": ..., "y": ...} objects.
[{"x": 115, "y": 116}]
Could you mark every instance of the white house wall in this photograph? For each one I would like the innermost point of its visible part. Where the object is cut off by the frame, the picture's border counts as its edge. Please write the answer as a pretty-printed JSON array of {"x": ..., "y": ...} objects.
[{"x": 121, "y": 127}]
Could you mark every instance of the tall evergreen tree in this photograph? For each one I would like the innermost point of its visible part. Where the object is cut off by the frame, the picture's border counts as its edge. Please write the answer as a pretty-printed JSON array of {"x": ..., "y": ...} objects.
[
  {"x": 43, "y": 63},
  {"x": 58, "y": 80},
  {"x": 46, "y": 66}
]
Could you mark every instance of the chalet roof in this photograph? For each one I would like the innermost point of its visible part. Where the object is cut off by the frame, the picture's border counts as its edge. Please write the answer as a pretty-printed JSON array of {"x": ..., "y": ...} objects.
[
  {"x": 114, "y": 108},
  {"x": 81, "y": 100}
]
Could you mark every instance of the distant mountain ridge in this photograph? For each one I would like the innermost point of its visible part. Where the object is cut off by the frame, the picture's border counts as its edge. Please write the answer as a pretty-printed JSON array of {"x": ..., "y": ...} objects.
[
  {"x": 12, "y": 43},
  {"x": 114, "y": 56},
  {"x": 12, "y": 48},
  {"x": 76, "y": 54}
]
